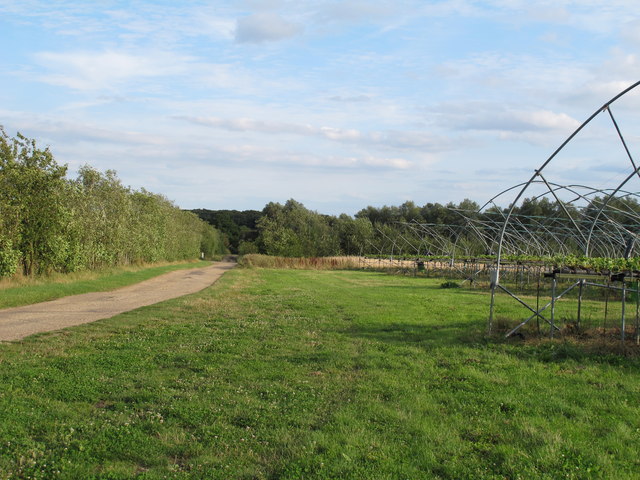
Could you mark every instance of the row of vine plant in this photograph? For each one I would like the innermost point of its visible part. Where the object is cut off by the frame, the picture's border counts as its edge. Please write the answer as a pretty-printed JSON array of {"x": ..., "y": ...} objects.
[
  {"x": 52, "y": 223},
  {"x": 572, "y": 262}
]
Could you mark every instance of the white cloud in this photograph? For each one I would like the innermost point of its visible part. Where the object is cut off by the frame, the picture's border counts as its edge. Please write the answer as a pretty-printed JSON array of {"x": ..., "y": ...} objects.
[
  {"x": 351, "y": 98},
  {"x": 251, "y": 125},
  {"x": 621, "y": 67},
  {"x": 595, "y": 16},
  {"x": 174, "y": 87},
  {"x": 553, "y": 38},
  {"x": 605, "y": 80},
  {"x": 486, "y": 116},
  {"x": 225, "y": 76},
  {"x": 74, "y": 131},
  {"x": 264, "y": 27},
  {"x": 340, "y": 135},
  {"x": 597, "y": 93},
  {"x": 389, "y": 139},
  {"x": 254, "y": 154},
  {"x": 172, "y": 25},
  {"x": 355, "y": 10},
  {"x": 396, "y": 163},
  {"x": 548, "y": 13},
  {"x": 264, "y": 4},
  {"x": 540, "y": 120},
  {"x": 104, "y": 70},
  {"x": 630, "y": 32},
  {"x": 145, "y": 21}
]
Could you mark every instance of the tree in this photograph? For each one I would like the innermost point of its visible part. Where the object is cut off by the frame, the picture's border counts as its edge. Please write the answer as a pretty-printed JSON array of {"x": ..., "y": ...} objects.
[
  {"x": 294, "y": 231},
  {"x": 356, "y": 234},
  {"x": 410, "y": 212},
  {"x": 32, "y": 196}
]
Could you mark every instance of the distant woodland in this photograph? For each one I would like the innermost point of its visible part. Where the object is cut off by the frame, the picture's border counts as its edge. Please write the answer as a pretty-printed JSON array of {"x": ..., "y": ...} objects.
[{"x": 295, "y": 231}]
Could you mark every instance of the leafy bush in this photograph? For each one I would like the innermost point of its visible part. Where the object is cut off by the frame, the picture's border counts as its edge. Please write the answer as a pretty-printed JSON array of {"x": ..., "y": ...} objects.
[{"x": 9, "y": 258}]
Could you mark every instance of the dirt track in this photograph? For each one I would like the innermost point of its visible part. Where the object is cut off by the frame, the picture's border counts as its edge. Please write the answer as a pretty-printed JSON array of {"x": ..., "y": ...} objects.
[{"x": 19, "y": 322}]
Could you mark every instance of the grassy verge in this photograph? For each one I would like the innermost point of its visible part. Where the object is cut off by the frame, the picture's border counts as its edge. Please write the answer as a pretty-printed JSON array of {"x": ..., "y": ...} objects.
[
  {"x": 28, "y": 291},
  {"x": 289, "y": 374}
]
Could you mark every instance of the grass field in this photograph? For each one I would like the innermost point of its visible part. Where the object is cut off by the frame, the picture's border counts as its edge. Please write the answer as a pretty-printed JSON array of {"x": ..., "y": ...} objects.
[{"x": 289, "y": 374}]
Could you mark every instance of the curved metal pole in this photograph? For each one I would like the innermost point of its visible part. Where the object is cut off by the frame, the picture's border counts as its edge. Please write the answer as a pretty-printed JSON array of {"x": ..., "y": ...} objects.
[
  {"x": 496, "y": 276},
  {"x": 553, "y": 155},
  {"x": 624, "y": 144},
  {"x": 491, "y": 200},
  {"x": 604, "y": 204}
]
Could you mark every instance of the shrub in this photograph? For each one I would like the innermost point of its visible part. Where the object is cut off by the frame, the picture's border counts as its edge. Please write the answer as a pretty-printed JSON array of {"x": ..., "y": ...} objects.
[
  {"x": 246, "y": 248},
  {"x": 9, "y": 258}
]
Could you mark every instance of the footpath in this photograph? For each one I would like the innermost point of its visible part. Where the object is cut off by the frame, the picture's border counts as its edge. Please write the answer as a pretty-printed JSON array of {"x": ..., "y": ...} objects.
[{"x": 20, "y": 322}]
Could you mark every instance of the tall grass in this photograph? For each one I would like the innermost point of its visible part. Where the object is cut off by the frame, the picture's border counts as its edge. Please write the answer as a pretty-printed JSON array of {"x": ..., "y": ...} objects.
[{"x": 300, "y": 263}]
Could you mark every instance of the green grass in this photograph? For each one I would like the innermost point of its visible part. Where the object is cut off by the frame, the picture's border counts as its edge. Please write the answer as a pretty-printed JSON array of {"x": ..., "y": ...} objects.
[
  {"x": 599, "y": 320},
  {"x": 44, "y": 289},
  {"x": 274, "y": 374}
]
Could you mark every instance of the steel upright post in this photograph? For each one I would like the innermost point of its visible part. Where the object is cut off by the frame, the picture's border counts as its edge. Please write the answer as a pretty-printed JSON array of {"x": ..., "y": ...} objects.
[
  {"x": 538, "y": 301},
  {"x": 637, "y": 312},
  {"x": 606, "y": 306},
  {"x": 624, "y": 295},
  {"x": 580, "y": 301},
  {"x": 553, "y": 304},
  {"x": 495, "y": 276}
]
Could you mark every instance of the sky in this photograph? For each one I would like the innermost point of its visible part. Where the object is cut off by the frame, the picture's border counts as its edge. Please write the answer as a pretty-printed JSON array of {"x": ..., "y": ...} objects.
[{"x": 338, "y": 104}]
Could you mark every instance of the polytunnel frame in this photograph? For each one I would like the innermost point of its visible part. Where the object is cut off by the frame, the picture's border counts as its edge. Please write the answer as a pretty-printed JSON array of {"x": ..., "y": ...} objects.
[
  {"x": 495, "y": 277},
  {"x": 434, "y": 240},
  {"x": 588, "y": 196}
]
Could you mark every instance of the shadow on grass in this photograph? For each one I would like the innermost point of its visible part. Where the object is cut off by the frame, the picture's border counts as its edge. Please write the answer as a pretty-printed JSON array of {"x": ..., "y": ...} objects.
[
  {"x": 429, "y": 285},
  {"x": 568, "y": 345},
  {"x": 427, "y": 336},
  {"x": 463, "y": 334},
  {"x": 559, "y": 350}
]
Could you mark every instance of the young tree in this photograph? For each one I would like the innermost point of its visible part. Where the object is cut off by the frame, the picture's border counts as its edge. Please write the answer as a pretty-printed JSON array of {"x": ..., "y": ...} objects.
[{"x": 32, "y": 195}]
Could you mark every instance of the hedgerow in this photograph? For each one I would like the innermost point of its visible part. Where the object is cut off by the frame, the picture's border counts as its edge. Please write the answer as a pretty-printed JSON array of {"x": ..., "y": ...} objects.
[{"x": 49, "y": 222}]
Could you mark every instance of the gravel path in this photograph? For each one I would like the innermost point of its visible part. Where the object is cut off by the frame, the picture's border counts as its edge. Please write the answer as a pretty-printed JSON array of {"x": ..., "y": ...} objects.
[{"x": 19, "y": 322}]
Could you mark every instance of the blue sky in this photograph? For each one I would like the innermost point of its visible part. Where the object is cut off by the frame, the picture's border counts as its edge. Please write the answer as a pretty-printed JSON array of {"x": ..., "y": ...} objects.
[{"x": 338, "y": 104}]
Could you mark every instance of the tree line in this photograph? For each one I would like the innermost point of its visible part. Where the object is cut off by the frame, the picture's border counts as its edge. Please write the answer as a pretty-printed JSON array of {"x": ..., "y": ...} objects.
[
  {"x": 49, "y": 222},
  {"x": 237, "y": 226},
  {"x": 292, "y": 230}
]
